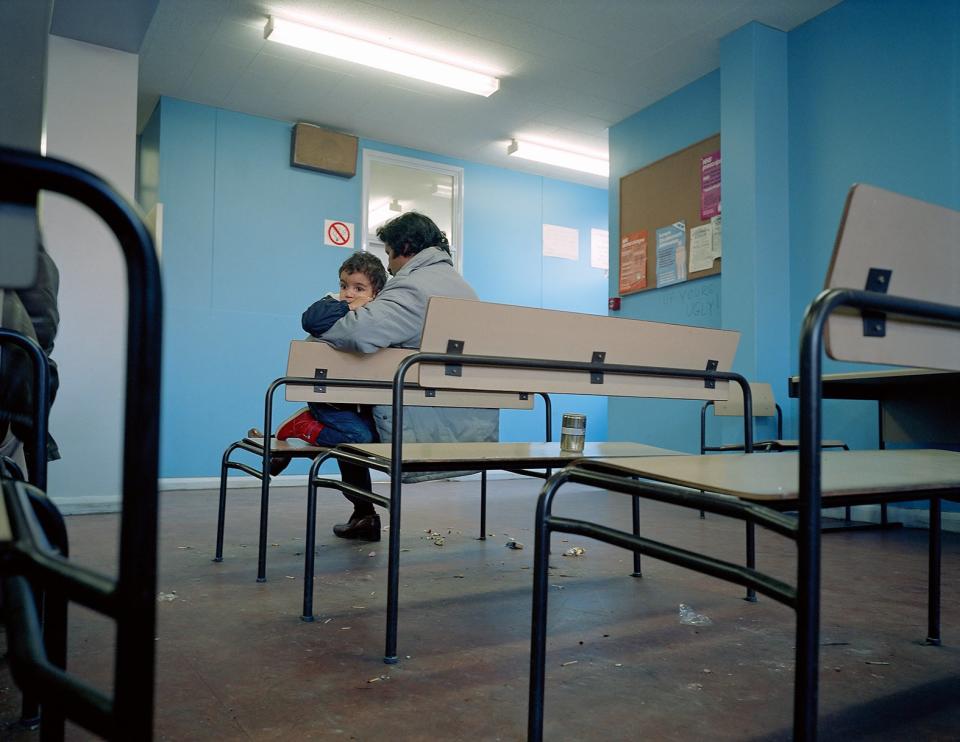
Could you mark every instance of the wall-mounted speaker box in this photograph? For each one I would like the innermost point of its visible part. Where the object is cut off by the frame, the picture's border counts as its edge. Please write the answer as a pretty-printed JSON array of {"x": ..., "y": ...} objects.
[{"x": 323, "y": 150}]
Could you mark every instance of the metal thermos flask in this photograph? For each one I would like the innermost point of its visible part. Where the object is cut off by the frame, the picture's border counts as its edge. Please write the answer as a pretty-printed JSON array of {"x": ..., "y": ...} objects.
[{"x": 573, "y": 431}]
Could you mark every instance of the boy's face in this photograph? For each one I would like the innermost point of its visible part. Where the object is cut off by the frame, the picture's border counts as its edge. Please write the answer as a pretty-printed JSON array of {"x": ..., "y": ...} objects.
[{"x": 355, "y": 286}]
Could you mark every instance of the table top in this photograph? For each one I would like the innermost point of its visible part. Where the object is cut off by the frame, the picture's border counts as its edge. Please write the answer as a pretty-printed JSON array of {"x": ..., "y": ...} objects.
[
  {"x": 292, "y": 447},
  {"x": 774, "y": 476},
  {"x": 495, "y": 455},
  {"x": 881, "y": 384}
]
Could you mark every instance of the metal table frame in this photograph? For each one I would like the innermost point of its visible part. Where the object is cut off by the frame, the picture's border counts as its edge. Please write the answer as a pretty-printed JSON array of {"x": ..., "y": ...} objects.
[
  {"x": 396, "y": 466},
  {"x": 265, "y": 452},
  {"x": 804, "y": 597}
]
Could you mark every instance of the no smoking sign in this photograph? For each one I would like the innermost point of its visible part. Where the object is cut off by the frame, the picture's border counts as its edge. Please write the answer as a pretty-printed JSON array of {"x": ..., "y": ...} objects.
[{"x": 337, "y": 233}]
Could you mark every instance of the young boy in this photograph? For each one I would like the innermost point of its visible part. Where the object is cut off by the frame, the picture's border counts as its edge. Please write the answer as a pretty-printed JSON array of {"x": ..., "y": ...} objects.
[{"x": 362, "y": 276}]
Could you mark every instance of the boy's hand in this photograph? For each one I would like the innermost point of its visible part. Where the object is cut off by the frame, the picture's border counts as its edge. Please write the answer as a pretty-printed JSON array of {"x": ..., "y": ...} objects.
[{"x": 359, "y": 301}]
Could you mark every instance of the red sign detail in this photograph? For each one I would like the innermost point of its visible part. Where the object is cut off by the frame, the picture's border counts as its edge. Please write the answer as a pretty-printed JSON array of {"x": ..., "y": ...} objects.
[{"x": 339, "y": 233}]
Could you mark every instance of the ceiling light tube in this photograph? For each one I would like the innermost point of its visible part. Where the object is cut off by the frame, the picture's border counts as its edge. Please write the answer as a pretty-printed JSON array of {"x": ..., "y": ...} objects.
[
  {"x": 560, "y": 157},
  {"x": 367, "y": 53}
]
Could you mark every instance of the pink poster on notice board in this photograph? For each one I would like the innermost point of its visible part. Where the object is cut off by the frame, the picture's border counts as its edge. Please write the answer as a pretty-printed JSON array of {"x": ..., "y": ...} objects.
[{"x": 710, "y": 185}]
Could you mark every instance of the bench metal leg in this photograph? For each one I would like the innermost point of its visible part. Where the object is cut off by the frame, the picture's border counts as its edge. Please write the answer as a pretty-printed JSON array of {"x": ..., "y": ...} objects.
[
  {"x": 933, "y": 575},
  {"x": 222, "y": 508},
  {"x": 52, "y": 724},
  {"x": 29, "y": 705},
  {"x": 264, "y": 508},
  {"x": 538, "y": 633},
  {"x": 751, "y": 559},
  {"x": 808, "y": 628},
  {"x": 635, "y": 508},
  {"x": 393, "y": 571},
  {"x": 483, "y": 505},
  {"x": 309, "y": 547}
]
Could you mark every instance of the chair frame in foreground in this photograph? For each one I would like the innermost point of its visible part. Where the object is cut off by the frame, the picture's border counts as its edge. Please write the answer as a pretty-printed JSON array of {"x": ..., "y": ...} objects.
[
  {"x": 804, "y": 596},
  {"x": 27, "y": 561}
]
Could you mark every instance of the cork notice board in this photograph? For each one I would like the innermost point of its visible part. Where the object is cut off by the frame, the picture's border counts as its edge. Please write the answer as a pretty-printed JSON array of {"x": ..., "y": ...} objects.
[{"x": 670, "y": 226}]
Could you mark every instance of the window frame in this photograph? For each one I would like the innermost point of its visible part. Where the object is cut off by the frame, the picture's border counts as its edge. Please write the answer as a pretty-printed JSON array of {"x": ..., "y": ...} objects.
[{"x": 456, "y": 173}]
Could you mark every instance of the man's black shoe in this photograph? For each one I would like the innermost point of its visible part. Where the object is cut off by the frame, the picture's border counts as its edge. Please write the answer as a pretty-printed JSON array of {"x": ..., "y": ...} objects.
[
  {"x": 278, "y": 464},
  {"x": 365, "y": 528}
]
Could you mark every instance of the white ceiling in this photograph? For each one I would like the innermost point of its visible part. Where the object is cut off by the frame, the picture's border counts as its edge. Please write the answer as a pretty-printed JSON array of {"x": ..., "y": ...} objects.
[{"x": 569, "y": 69}]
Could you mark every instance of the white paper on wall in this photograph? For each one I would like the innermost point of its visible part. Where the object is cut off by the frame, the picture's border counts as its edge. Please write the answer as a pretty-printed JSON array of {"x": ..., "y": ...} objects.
[
  {"x": 600, "y": 249},
  {"x": 701, "y": 248},
  {"x": 717, "y": 237},
  {"x": 561, "y": 242}
]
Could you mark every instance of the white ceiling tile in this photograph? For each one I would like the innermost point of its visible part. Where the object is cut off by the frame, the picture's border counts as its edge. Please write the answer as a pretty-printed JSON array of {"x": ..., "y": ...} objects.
[
  {"x": 217, "y": 71},
  {"x": 575, "y": 121},
  {"x": 569, "y": 68},
  {"x": 238, "y": 34}
]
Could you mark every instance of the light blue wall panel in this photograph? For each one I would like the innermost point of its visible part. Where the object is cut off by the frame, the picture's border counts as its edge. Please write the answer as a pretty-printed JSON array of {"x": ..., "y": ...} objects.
[
  {"x": 873, "y": 95},
  {"x": 501, "y": 241},
  {"x": 679, "y": 120},
  {"x": 874, "y": 99},
  {"x": 270, "y": 255},
  {"x": 575, "y": 286}
]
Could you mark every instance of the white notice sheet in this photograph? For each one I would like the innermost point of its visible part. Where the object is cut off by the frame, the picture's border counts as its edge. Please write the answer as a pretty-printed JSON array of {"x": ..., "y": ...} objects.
[
  {"x": 701, "y": 248},
  {"x": 561, "y": 242},
  {"x": 600, "y": 249}
]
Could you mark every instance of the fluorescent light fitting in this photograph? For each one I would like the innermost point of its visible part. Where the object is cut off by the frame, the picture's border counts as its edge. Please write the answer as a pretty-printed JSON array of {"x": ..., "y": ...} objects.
[
  {"x": 560, "y": 157},
  {"x": 356, "y": 50}
]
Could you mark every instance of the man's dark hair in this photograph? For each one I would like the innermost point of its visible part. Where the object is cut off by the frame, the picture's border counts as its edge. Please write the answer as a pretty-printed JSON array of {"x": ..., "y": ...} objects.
[
  {"x": 369, "y": 265},
  {"x": 410, "y": 233}
]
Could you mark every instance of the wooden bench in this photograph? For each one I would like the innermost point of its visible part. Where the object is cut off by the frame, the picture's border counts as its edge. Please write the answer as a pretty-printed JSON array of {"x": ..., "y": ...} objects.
[
  {"x": 496, "y": 347},
  {"x": 885, "y": 240},
  {"x": 764, "y": 405},
  {"x": 318, "y": 373}
]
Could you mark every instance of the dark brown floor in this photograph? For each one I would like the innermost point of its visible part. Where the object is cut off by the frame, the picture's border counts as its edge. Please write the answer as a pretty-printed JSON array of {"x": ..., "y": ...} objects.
[{"x": 236, "y": 663}]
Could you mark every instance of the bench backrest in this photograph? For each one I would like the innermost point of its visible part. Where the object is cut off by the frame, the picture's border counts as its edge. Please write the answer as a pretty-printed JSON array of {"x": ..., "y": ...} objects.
[
  {"x": 545, "y": 334},
  {"x": 919, "y": 243},
  {"x": 761, "y": 395},
  {"x": 318, "y": 360}
]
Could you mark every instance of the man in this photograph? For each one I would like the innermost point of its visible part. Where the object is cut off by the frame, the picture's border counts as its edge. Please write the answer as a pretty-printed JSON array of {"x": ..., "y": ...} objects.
[
  {"x": 421, "y": 265},
  {"x": 33, "y": 313}
]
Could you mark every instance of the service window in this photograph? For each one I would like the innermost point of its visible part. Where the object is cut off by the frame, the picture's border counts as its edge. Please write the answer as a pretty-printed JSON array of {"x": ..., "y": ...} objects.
[{"x": 393, "y": 184}]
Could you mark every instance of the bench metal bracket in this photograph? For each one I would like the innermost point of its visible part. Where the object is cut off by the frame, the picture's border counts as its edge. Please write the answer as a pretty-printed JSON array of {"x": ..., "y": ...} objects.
[
  {"x": 711, "y": 383},
  {"x": 320, "y": 373},
  {"x": 524, "y": 396},
  {"x": 454, "y": 347},
  {"x": 430, "y": 393},
  {"x": 596, "y": 377},
  {"x": 875, "y": 323}
]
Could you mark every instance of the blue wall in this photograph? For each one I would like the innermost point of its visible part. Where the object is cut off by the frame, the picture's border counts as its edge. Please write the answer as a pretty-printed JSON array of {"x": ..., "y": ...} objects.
[
  {"x": 873, "y": 99},
  {"x": 872, "y": 95},
  {"x": 673, "y": 123},
  {"x": 243, "y": 255}
]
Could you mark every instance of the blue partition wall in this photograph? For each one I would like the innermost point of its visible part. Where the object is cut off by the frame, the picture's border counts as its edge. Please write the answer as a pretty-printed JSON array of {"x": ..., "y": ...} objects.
[
  {"x": 671, "y": 124},
  {"x": 243, "y": 255},
  {"x": 868, "y": 91}
]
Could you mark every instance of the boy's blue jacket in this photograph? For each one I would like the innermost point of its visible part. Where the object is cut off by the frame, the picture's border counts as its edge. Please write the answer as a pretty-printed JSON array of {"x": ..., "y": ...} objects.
[{"x": 323, "y": 314}]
